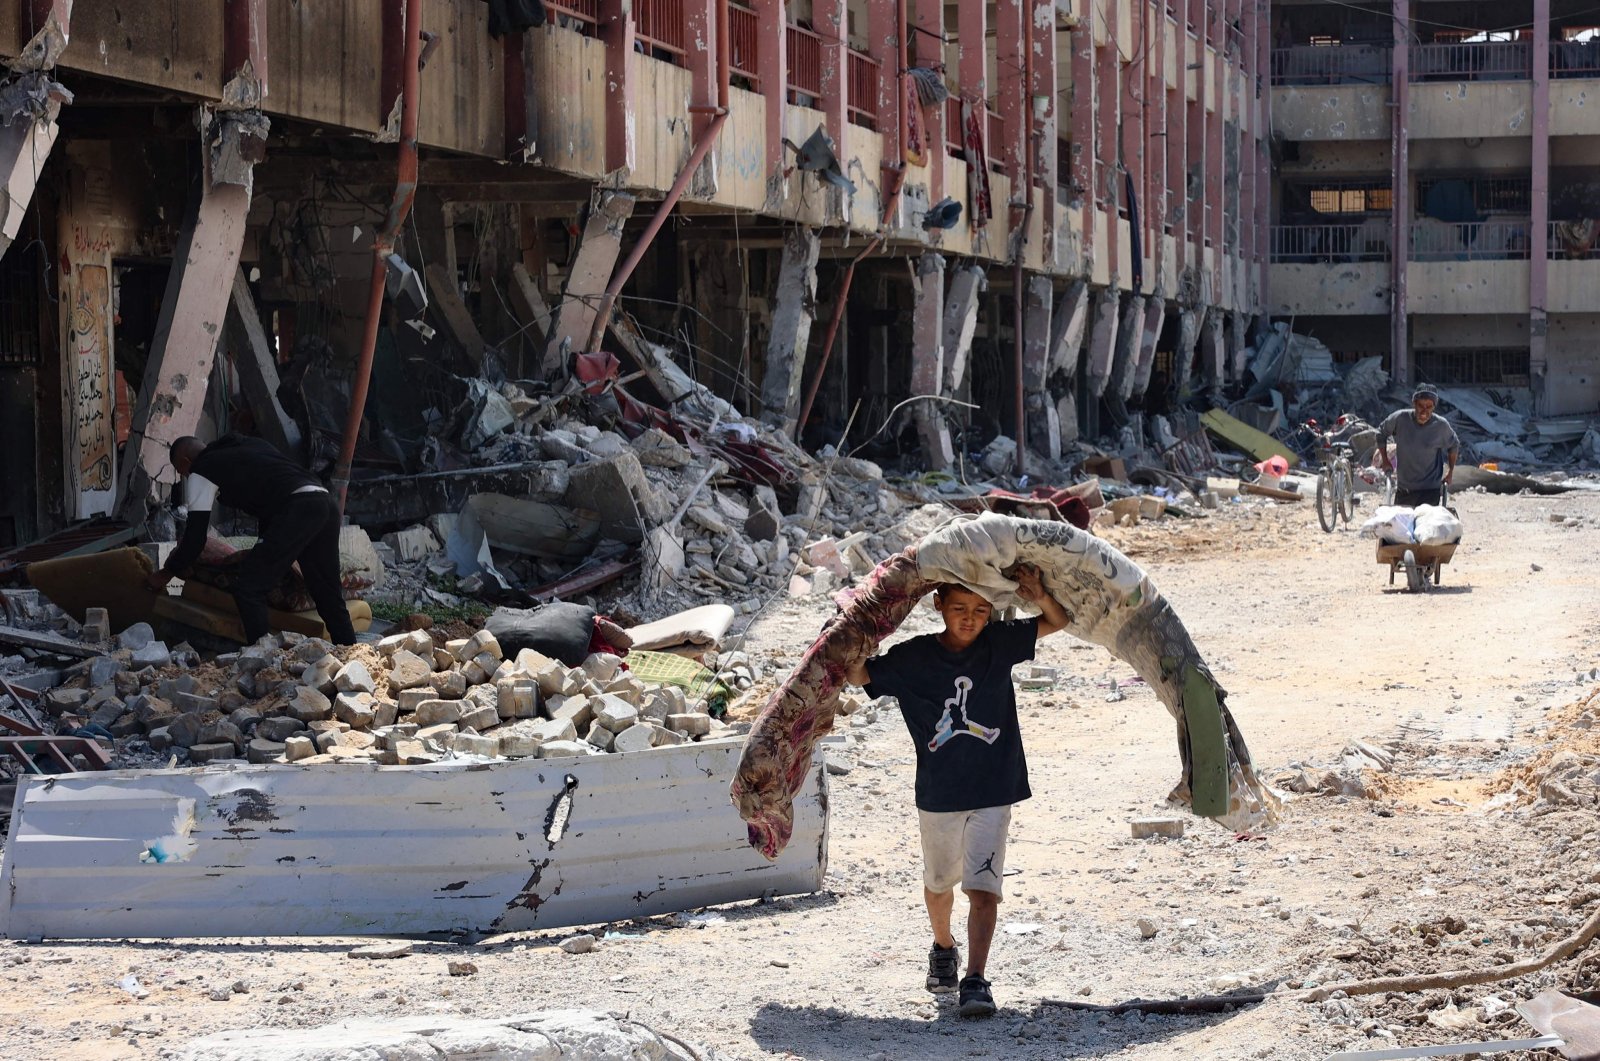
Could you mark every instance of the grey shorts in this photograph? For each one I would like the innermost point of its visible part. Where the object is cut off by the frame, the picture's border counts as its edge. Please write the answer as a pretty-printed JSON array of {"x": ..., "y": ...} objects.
[{"x": 964, "y": 847}]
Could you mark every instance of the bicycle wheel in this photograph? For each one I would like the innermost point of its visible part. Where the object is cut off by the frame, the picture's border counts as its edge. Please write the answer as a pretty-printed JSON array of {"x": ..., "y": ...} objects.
[
  {"x": 1347, "y": 491},
  {"x": 1327, "y": 503}
]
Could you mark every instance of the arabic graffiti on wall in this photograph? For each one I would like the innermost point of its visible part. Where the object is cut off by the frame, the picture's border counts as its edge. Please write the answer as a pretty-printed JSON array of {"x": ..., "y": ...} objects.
[{"x": 91, "y": 431}]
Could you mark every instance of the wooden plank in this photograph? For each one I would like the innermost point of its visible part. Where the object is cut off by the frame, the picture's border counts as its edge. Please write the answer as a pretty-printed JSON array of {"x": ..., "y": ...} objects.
[
  {"x": 445, "y": 300},
  {"x": 10, "y": 635},
  {"x": 585, "y": 581},
  {"x": 1242, "y": 436},
  {"x": 529, "y": 304}
]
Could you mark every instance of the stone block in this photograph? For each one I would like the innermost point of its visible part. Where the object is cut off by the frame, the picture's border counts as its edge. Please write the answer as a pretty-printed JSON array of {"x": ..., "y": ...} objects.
[
  {"x": 320, "y": 675},
  {"x": 531, "y": 662},
  {"x": 384, "y": 713},
  {"x": 136, "y": 637},
  {"x": 457, "y": 647},
  {"x": 326, "y": 739},
  {"x": 354, "y": 709},
  {"x": 207, "y": 753},
  {"x": 414, "y": 543},
  {"x": 443, "y": 660},
  {"x": 614, "y": 713},
  {"x": 475, "y": 745},
  {"x": 474, "y": 674},
  {"x": 601, "y": 738},
  {"x": 483, "y": 642},
  {"x": 103, "y": 670},
  {"x": 407, "y": 670},
  {"x": 1146, "y": 828},
  {"x": 279, "y": 729},
  {"x": 184, "y": 730},
  {"x": 619, "y": 493},
  {"x": 296, "y": 748},
  {"x": 126, "y": 726},
  {"x": 579, "y": 710},
  {"x": 434, "y": 712},
  {"x": 194, "y": 702},
  {"x": 309, "y": 705},
  {"x": 693, "y": 725},
  {"x": 152, "y": 710},
  {"x": 666, "y": 738},
  {"x": 410, "y": 698},
  {"x": 636, "y": 738},
  {"x": 357, "y": 739},
  {"x": 517, "y": 698},
  {"x": 415, "y": 641},
  {"x": 154, "y": 654},
  {"x": 413, "y": 753},
  {"x": 602, "y": 666},
  {"x": 517, "y": 745},
  {"x": 311, "y": 649},
  {"x": 354, "y": 677},
  {"x": 160, "y": 740},
  {"x": 558, "y": 749},
  {"x": 264, "y": 751},
  {"x": 479, "y": 718},
  {"x": 449, "y": 685}
]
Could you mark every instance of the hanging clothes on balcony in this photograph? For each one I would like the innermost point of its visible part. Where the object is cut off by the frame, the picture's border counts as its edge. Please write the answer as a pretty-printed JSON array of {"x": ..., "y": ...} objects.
[
  {"x": 514, "y": 16},
  {"x": 1136, "y": 242},
  {"x": 973, "y": 122},
  {"x": 924, "y": 88}
]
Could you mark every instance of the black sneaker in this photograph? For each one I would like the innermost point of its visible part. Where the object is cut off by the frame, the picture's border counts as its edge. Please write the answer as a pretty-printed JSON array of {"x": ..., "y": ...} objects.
[
  {"x": 976, "y": 1001},
  {"x": 943, "y": 965}
]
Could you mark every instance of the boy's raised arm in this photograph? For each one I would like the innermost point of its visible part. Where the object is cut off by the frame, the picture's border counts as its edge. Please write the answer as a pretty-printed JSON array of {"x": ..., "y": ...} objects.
[
  {"x": 857, "y": 673},
  {"x": 1052, "y": 616}
]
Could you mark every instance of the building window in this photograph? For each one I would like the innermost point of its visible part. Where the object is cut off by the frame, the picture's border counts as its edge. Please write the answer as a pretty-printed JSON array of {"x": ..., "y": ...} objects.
[
  {"x": 1364, "y": 198},
  {"x": 1486, "y": 367}
]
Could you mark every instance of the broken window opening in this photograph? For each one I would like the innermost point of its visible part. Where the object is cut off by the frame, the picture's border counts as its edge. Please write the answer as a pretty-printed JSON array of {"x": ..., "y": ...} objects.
[{"x": 1484, "y": 367}]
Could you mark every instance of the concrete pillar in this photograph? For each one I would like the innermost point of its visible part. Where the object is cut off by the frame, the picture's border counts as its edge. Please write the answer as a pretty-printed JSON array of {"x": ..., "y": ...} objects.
[
  {"x": 927, "y": 361},
  {"x": 1037, "y": 297},
  {"x": 1103, "y": 341},
  {"x": 1011, "y": 35},
  {"x": 195, "y": 307},
  {"x": 26, "y": 137},
  {"x": 1538, "y": 244},
  {"x": 832, "y": 21},
  {"x": 1130, "y": 336},
  {"x": 1155, "y": 315},
  {"x": 258, "y": 371},
  {"x": 1067, "y": 326},
  {"x": 967, "y": 285},
  {"x": 1083, "y": 127},
  {"x": 793, "y": 308},
  {"x": 1239, "y": 348},
  {"x": 1213, "y": 350},
  {"x": 1040, "y": 17},
  {"x": 1067, "y": 415},
  {"x": 1400, "y": 182},
  {"x": 1189, "y": 321},
  {"x": 591, "y": 272},
  {"x": 616, "y": 29},
  {"x": 772, "y": 45}
]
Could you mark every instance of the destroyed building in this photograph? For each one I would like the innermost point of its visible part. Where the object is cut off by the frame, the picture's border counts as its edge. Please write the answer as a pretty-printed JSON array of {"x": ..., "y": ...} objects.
[
  {"x": 1435, "y": 202},
  {"x": 1051, "y": 211}
]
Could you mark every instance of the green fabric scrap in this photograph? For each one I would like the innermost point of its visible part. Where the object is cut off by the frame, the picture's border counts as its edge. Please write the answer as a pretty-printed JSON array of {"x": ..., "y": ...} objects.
[{"x": 667, "y": 668}]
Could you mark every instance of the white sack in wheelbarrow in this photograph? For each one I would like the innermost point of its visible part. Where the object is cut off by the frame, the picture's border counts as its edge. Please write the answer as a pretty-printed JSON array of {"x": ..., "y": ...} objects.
[
  {"x": 1436, "y": 525},
  {"x": 1391, "y": 525}
]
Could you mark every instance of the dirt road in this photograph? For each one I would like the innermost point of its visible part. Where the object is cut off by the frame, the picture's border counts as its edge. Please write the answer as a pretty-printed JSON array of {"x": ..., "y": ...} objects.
[{"x": 1314, "y": 649}]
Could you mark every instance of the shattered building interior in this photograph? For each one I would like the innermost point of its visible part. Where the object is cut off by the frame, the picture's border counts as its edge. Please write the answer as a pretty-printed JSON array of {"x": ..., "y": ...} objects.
[
  {"x": 1434, "y": 191},
  {"x": 815, "y": 209}
]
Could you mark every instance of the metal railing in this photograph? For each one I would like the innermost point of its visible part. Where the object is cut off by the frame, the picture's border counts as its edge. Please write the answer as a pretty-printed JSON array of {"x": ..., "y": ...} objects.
[
  {"x": 744, "y": 42},
  {"x": 805, "y": 67},
  {"x": 1575, "y": 58},
  {"x": 1353, "y": 64},
  {"x": 580, "y": 15},
  {"x": 1573, "y": 241},
  {"x": 862, "y": 89},
  {"x": 1368, "y": 241},
  {"x": 661, "y": 28},
  {"x": 1444, "y": 241},
  {"x": 955, "y": 131},
  {"x": 1474, "y": 61}
]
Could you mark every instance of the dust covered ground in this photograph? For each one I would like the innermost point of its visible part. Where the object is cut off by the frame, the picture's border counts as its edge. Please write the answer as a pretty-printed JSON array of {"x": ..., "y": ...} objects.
[{"x": 1477, "y": 846}]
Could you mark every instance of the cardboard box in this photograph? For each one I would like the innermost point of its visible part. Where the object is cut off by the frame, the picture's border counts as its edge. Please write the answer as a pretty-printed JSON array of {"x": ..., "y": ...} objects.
[{"x": 1107, "y": 467}]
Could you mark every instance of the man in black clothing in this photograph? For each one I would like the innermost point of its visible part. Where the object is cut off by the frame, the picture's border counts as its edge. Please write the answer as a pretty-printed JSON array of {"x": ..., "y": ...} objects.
[{"x": 297, "y": 517}]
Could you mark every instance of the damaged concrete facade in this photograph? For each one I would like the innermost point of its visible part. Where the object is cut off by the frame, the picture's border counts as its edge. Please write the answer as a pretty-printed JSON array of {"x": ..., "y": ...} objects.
[
  {"x": 1011, "y": 141},
  {"x": 1435, "y": 199}
]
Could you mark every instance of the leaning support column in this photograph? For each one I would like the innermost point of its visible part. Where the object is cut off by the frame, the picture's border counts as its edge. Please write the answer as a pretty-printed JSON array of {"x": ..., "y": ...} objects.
[
  {"x": 967, "y": 286},
  {"x": 1239, "y": 348},
  {"x": 258, "y": 371},
  {"x": 1103, "y": 342},
  {"x": 204, "y": 263},
  {"x": 591, "y": 272},
  {"x": 1130, "y": 336},
  {"x": 1067, "y": 325},
  {"x": 1044, "y": 425},
  {"x": 1213, "y": 349},
  {"x": 927, "y": 362},
  {"x": 1155, "y": 313},
  {"x": 1189, "y": 321},
  {"x": 793, "y": 309},
  {"x": 28, "y": 118}
]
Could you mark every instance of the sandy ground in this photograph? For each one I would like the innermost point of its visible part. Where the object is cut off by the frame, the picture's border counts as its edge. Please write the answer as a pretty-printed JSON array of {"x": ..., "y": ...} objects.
[{"x": 1315, "y": 650}]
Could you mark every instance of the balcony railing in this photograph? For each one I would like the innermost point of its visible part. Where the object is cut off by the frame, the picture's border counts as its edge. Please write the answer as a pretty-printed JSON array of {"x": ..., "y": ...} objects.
[
  {"x": 1351, "y": 64},
  {"x": 1573, "y": 241},
  {"x": 661, "y": 28},
  {"x": 1365, "y": 242},
  {"x": 1575, "y": 58},
  {"x": 744, "y": 43},
  {"x": 862, "y": 84},
  {"x": 805, "y": 67},
  {"x": 580, "y": 15},
  {"x": 1444, "y": 241},
  {"x": 1481, "y": 61}
]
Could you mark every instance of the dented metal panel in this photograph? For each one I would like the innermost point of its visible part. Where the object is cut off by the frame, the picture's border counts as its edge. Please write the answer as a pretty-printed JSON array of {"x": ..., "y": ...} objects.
[{"x": 404, "y": 850}]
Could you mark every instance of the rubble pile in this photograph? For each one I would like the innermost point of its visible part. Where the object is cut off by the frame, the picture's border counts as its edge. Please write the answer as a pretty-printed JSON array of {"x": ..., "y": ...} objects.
[
  {"x": 414, "y": 697},
  {"x": 1564, "y": 774}
]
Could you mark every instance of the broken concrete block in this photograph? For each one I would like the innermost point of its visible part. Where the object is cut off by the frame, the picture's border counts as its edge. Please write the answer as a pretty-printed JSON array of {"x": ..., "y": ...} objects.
[
  {"x": 326, "y": 739},
  {"x": 415, "y": 641},
  {"x": 579, "y": 710},
  {"x": 152, "y": 710},
  {"x": 354, "y": 709},
  {"x": 449, "y": 685},
  {"x": 479, "y": 718},
  {"x": 1145, "y": 828},
  {"x": 614, "y": 713},
  {"x": 666, "y": 738},
  {"x": 531, "y": 663},
  {"x": 279, "y": 729},
  {"x": 320, "y": 675},
  {"x": 354, "y": 677},
  {"x": 617, "y": 491},
  {"x": 221, "y": 731},
  {"x": 690, "y": 724},
  {"x": 602, "y": 666},
  {"x": 413, "y": 753},
  {"x": 136, "y": 637},
  {"x": 657, "y": 449},
  {"x": 552, "y": 679},
  {"x": 309, "y": 705},
  {"x": 384, "y": 712},
  {"x": 517, "y": 698},
  {"x": 625, "y": 688},
  {"x": 414, "y": 543},
  {"x": 154, "y": 654},
  {"x": 433, "y": 712},
  {"x": 557, "y": 749},
  {"x": 517, "y": 745},
  {"x": 184, "y": 730},
  {"x": 264, "y": 751},
  {"x": 443, "y": 659},
  {"x": 475, "y": 745},
  {"x": 484, "y": 642},
  {"x": 206, "y": 753},
  {"x": 710, "y": 519},
  {"x": 407, "y": 670},
  {"x": 408, "y": 699},
  {"x": 191, "y": 702},
  {"x": 457, "y": 648},
  {"x": 601, "y": 738},
  {"x": 96, "y": 625},
  {"x": 549, "y": 729},
  {"x": 298, "y": 747},
  {"x": 636, "y": 738},
  {"x": 443, "y": 735},
  {"x": 474, "y": 674}
]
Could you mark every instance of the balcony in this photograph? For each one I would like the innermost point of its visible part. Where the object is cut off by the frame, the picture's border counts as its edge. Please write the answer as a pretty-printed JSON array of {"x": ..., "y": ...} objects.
[
  {"x": 662, "y": 29},
  {"x": 744, "y": 42},
  {"x": 1481, "y": 241},
  {"x": 1367, "y": 241},
  {"x": 1349, "y": 64},
  {"x": 583, "y": 16},
  {"x": 1479, "y": 61},
  {"x": 862, "y": 85}
]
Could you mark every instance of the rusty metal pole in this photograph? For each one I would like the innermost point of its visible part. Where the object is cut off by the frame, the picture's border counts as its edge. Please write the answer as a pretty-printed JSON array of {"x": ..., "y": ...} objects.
[
  {"x": 405, "y": 189},
  {"x": 1025, "y": 137}
]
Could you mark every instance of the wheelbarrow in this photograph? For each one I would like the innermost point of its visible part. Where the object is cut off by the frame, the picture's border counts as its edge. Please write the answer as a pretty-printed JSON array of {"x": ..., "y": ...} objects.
[{"x": 1421, "y": 563}]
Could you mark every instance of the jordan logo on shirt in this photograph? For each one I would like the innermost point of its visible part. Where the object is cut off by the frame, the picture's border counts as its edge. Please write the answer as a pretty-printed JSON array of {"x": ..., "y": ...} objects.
[{"x": 946, "y": 730}]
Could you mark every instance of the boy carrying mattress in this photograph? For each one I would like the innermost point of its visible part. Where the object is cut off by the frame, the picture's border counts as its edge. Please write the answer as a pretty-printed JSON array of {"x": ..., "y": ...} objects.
[{"x": 960, "y": 706}]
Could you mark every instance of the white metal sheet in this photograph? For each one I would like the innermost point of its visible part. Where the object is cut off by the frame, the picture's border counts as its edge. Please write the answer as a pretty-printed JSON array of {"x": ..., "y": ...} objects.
[{"x": 391, "y": 850}]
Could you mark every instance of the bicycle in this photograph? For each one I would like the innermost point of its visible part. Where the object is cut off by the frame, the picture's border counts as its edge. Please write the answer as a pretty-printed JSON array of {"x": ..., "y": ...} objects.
[{"x": 1336, "y": 482}]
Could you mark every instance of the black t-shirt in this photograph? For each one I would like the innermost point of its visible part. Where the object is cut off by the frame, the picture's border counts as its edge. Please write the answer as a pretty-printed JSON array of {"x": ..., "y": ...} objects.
[{"x": 961, "y": 709}]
